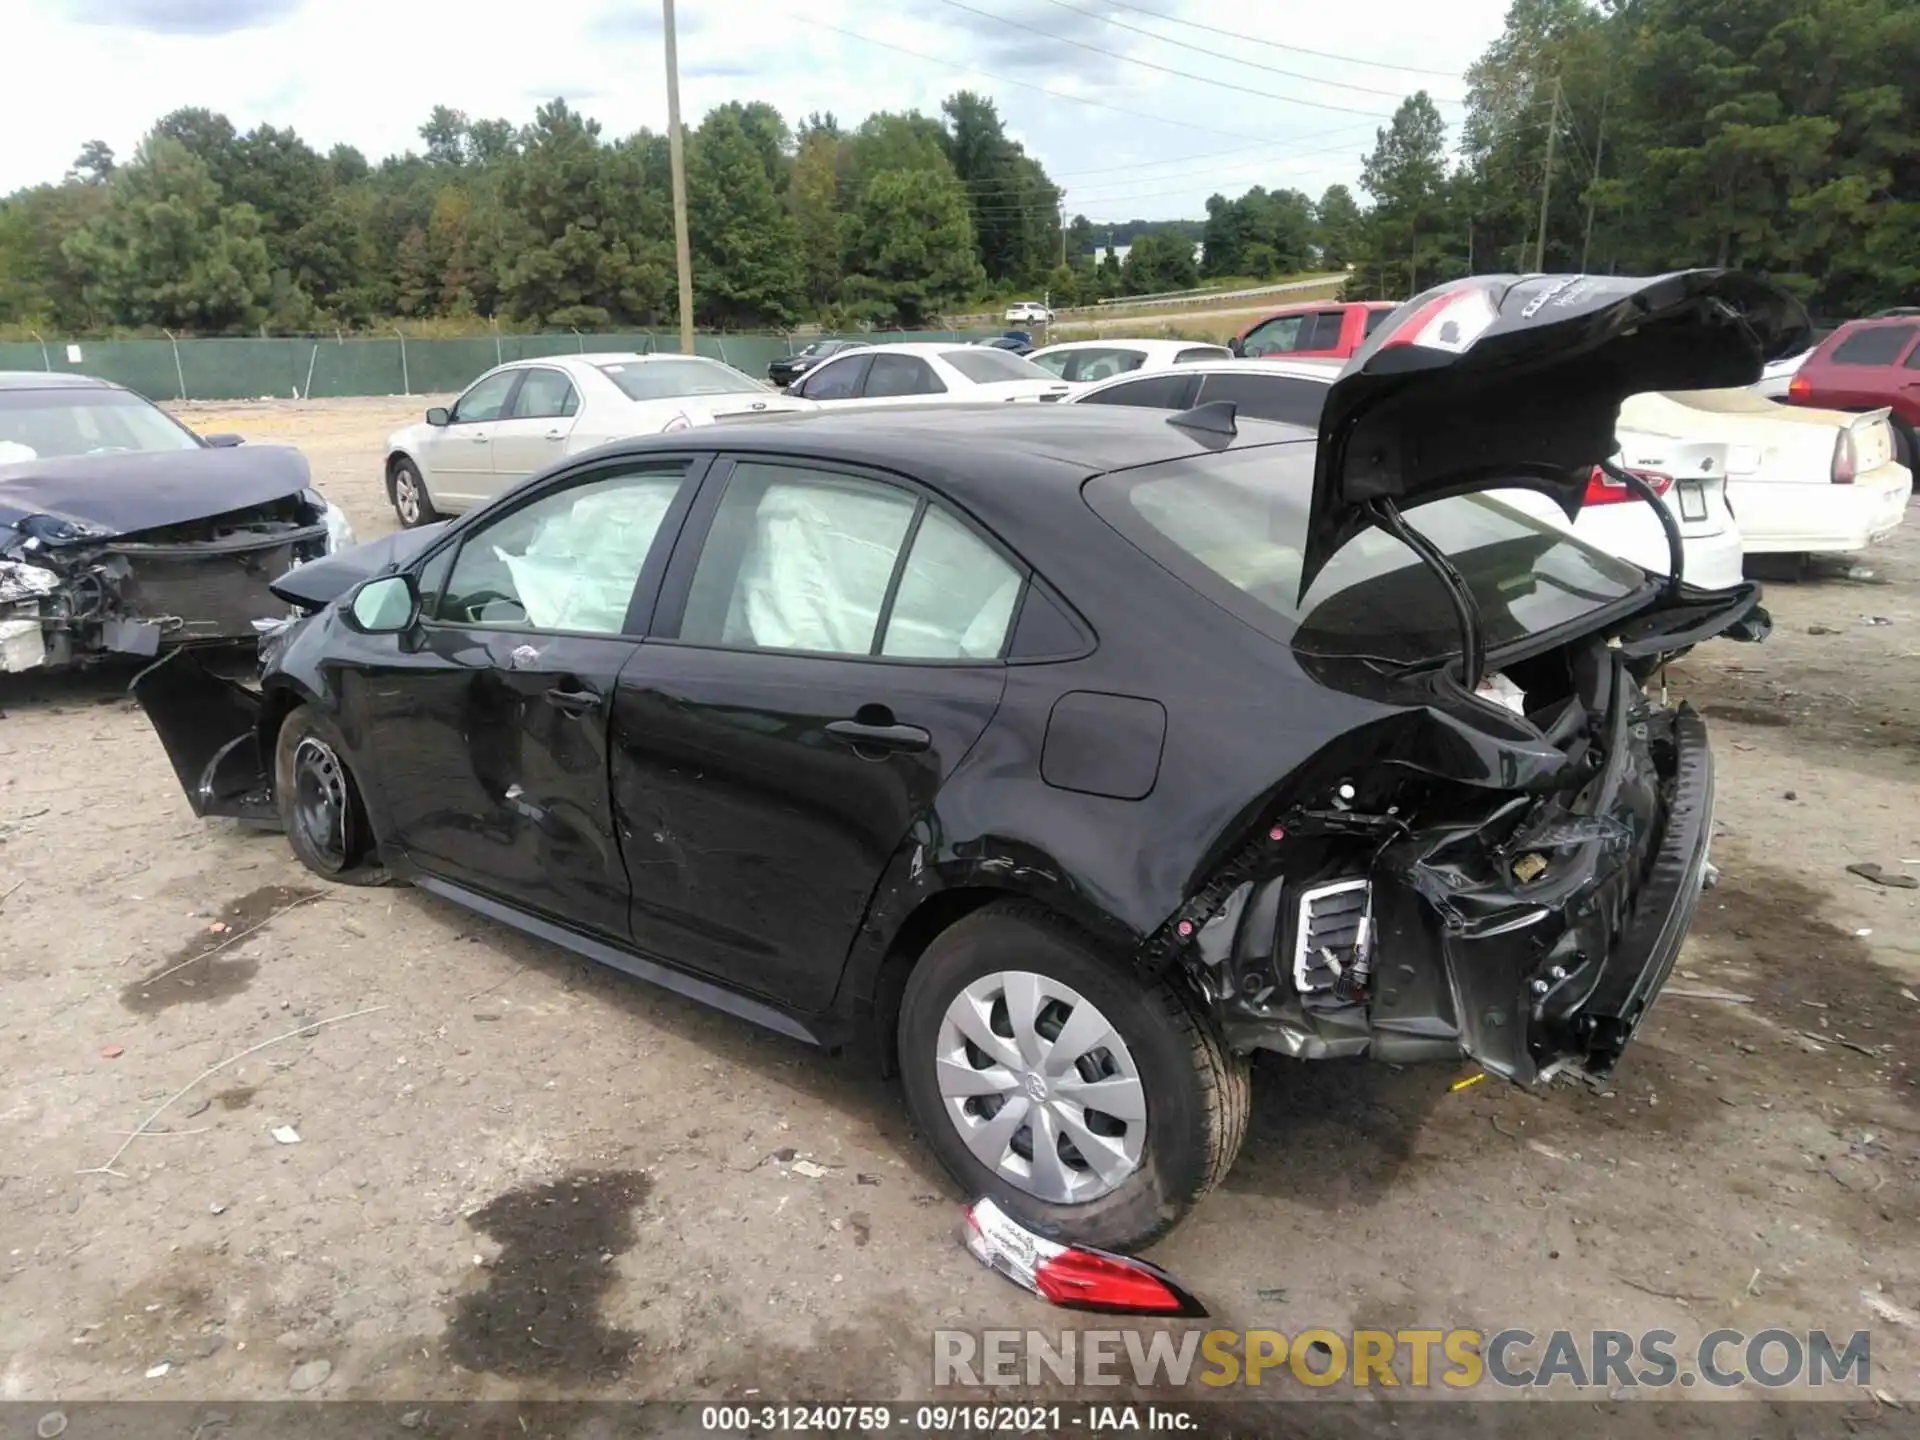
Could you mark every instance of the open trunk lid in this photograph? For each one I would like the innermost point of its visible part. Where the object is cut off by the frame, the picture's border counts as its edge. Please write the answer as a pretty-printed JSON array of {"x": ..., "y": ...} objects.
[{"x": 1518, "y": 380}]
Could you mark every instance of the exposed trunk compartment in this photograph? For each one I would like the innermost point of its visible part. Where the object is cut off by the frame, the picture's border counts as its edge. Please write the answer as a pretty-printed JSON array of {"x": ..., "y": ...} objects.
[{"x": 1507, "y": 876}]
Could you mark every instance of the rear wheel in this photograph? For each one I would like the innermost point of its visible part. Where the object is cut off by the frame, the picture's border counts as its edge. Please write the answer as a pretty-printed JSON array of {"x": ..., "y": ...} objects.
[
  {"x": 1093, "y": 1108},
  {"x": 319, "y": 801},
  {"x": 1906, "y": 446},
  {"x": 411, "y": 502}
]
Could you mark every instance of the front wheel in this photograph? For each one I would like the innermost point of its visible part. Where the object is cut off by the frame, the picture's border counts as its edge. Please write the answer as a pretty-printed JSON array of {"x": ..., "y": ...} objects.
[
  {"x": 1092, "y": 1107},
  {"x": 411, "y": 502},
  {"x": 319, "y": 802}
]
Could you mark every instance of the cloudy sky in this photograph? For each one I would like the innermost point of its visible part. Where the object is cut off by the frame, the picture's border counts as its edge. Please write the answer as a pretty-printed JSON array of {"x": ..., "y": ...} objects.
[{"x": 1087, "y": 85}]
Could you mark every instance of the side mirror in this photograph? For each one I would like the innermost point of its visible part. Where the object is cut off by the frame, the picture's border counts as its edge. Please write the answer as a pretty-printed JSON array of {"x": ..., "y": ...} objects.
[
  {"x": 385, "y": 605},
  {"x": 438, "y": 416},
  {"x": 223, "y": 442},
  {"x": 1238, "y": 347}
]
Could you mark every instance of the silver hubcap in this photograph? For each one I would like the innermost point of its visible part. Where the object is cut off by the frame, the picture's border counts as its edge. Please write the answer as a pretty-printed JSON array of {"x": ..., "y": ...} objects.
[
  {"x": 406, "y": 497},
  {"x": 1041, "y": 1087}
]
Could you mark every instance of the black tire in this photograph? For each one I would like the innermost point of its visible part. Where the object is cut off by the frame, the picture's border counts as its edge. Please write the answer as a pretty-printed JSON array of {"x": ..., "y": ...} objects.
[
  {"x": 1196, "y": 1093},
  {"x": 309, "y": 775},
  {"x": 408, "y": 492}
]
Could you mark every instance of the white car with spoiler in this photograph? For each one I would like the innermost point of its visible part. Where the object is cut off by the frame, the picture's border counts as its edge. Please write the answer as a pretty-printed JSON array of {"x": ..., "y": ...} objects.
[
  {"x": 521, "y": 417},
  {"x": 1800, "y": 481}
]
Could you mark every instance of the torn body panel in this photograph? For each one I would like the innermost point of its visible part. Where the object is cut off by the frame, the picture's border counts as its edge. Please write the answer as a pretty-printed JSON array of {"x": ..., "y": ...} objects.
[
  {"x": 211, "y": 728},
  {"x": 1423, "y": 909}
]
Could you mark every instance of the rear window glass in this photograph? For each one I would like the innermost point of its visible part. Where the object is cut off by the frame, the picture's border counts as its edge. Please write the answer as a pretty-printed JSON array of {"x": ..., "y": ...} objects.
[
  {"x": 1374, "y": 319},
  {"x": 1874, "y": 345},
  {"x": 1232, "y": 525},
  {"x": 670, "y": 379},
  {"x": 985, "y": 366}
]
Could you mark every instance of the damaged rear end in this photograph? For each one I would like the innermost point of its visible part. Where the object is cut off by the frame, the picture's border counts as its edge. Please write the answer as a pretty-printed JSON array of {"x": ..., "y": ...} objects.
[
  {"x": 1503, "y": 861},
  {"x": 1513, "y": 886}
]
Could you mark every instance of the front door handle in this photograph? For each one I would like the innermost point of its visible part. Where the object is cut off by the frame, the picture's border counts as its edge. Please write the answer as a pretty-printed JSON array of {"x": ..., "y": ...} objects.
[
  {"x": 575, "y": 701},
  {"x": 879, "y": 737},
  {"x": 556, "y": 434}
]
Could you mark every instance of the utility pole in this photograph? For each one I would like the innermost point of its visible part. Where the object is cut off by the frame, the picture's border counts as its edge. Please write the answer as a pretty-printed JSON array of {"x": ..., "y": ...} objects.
[
  {"x": 1546, "y": 181},
  {"x": 676, "y": 149},
  {"x": 1063, "y": 227},
  {"x": 1599, "y": 149}
]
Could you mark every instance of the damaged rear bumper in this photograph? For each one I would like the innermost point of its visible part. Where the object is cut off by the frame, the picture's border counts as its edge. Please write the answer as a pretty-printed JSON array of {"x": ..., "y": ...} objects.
[
  {"x": 210, "y": 726},
  {"x": 1532, "y": 943}
]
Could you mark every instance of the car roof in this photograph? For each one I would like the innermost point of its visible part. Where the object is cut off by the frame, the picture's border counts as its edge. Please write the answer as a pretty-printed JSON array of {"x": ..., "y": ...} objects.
[
  {"x": 916, "y": 347},
  {"x": 52, "y": 380},
  {"x": 988, "y": 447},
  {"x": 1325, "y": 371},
  {"x": 1151, "y": 347}
]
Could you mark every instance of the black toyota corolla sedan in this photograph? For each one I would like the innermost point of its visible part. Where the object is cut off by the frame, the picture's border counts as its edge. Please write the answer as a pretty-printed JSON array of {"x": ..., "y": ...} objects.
[{"x": 1072, "y": 754}]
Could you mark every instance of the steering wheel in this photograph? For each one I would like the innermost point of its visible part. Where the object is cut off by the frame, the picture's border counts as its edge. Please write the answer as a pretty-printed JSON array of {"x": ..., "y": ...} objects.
[{"x": 475, "y": 605}]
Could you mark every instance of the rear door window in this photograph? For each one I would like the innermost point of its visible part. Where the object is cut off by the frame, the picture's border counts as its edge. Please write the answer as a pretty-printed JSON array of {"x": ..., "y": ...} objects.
[
  {"x": 835, "y": 380},
  {"x": 1875, "y": 345},
  {"x": 893, "y": 375},
  {"x": 1268, "y": 397},
  {"x": 1324, "y": 332},
  {"x": 1166, "y": 391},
  {"x": 1374, "y": 318}
]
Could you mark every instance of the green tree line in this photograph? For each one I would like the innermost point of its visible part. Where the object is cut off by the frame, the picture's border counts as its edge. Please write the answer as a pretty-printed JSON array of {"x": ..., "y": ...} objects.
[
  {"x": 1780, "y": 136},
  {"x": 208, "y": 230},
  {"x": 1629, "y": 136}
]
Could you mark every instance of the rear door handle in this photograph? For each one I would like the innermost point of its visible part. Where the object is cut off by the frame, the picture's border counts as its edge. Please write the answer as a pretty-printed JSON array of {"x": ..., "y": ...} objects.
[
  {"x": 879, "y": 737},
  {"x": 556, "y": 434},
  {"x": 581, "y": 701}
]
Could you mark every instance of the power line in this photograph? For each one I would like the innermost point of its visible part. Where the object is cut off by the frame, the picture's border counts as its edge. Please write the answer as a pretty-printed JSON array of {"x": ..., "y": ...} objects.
[
  {"x": 950, "y": 68},
  {"x": 1277, "y": 45},
  {"x": 1163, "y": 69},
  {"x": 986, "y": 188},
  {"x": 1214, "y": 175},
  {"x": 1400, "y": 94},
  {"x": 1111, "y": 200}
]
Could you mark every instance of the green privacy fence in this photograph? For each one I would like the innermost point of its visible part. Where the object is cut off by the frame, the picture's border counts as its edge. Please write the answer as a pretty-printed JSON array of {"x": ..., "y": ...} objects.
[{"x": 290, "y": 368}]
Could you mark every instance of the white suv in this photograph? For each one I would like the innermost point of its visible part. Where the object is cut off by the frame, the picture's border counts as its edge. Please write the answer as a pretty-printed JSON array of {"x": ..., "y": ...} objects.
[{"x": 1029, "y": 310}]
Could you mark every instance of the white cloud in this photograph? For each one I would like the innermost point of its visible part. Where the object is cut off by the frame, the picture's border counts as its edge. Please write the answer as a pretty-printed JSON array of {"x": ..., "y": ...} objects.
[{"x": 366, "y": 72}]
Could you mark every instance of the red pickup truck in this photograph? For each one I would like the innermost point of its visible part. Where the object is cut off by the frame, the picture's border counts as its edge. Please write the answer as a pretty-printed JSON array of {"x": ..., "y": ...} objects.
[
  {"x": 1313, "y": 331},
  {"x": 1868, "y": 365}
]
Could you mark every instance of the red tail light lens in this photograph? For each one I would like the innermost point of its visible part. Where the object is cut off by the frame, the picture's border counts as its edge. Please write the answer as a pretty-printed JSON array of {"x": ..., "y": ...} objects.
[
  {"x": 1603, "y": 489},
  {"x": 1799, "y": 387},
  {"x": 1081, "y": 1279},
  {"x": 1846, "y": 460}
]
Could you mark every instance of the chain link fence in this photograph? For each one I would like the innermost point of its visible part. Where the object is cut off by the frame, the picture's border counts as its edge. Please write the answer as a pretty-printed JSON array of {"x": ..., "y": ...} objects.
[{"x": 297, "y": 367}]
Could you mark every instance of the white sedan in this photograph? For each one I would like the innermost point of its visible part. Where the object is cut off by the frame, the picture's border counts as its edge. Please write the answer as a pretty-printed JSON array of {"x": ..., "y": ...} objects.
[
  {"x": 1086, "y": 362},
  {"x": 1688, "y": 475},
  {"x": 1028, "y": 312},
  {"x": 1802, "y": 481},
  {"x": 519, "y": 418},
  {"x": 925, "y": 372}
]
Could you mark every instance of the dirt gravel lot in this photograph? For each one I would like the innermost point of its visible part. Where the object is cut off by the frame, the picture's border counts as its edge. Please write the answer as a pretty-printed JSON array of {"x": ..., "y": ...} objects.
[{"x": 518, "y": 1175}]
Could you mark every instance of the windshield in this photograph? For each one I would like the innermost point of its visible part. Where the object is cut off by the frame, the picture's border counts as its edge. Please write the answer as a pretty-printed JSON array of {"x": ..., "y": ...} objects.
[
  {"x": 985, "y": 366},
  {"x": 671, "y": 379},
  {"x": 46, "y": 424},
  {"x": 1232, "y": 525}
]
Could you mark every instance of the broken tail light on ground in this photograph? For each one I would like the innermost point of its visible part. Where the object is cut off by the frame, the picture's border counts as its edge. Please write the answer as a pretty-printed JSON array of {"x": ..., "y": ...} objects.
[{"x": 1074, "y": 1277}]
